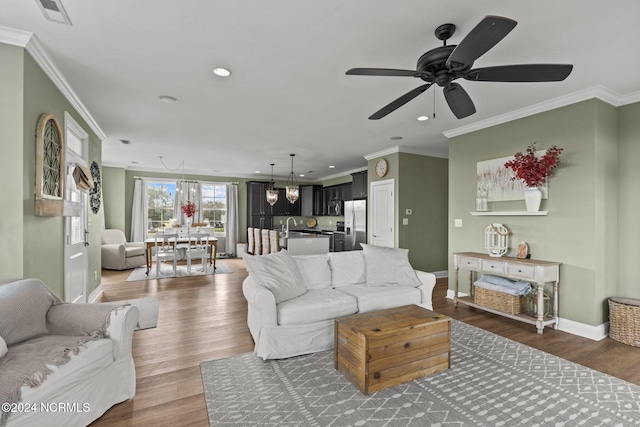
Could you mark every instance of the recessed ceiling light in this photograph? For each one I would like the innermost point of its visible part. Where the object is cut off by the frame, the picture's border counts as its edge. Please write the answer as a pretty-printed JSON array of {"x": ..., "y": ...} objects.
[
  {"x": 301, "y": 174},
  {"x": 423, "y": 118},
  {"x": 222, "y": 72},
  {"x": 168, "y": 99},
  {"x": 395, "y": 138},
  {"x": 125, "y": 141},
  {"x": 331, "y": 167},
  {"x": 257, "y": 171}
]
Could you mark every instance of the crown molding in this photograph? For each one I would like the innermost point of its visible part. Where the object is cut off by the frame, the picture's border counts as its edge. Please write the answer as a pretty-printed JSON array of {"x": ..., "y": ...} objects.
[
  {"x": 340, "y": 174},
  {"x": 599, "y": 92},
  {"x": 408, "y": 150},
  {"x": 30, "y": 42}
]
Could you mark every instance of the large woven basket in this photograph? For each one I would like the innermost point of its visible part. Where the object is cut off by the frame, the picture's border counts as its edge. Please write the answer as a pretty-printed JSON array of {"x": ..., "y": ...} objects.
[
  {"x": 506, "y": 303},
  {"x": 624, "y": 320}
]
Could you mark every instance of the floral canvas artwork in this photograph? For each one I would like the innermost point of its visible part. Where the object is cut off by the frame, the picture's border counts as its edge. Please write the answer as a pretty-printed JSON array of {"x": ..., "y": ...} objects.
[{"x": 493, "y": 176}]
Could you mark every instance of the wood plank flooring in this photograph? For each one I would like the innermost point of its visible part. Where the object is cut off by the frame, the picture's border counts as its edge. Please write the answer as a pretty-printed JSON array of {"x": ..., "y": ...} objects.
[{"x": 204, "y": 318}]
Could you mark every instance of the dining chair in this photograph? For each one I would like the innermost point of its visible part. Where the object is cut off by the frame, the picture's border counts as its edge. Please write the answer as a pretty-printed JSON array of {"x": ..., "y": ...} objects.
[
  {"x": 198, "y": 249},
  {"x": 251, "y": 246},
  {"x": 166, "y": 250},
  {"x": 266, "y": 248}
]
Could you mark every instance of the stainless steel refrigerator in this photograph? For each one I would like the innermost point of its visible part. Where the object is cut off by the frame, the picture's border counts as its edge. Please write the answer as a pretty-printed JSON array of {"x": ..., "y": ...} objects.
[{"x": 355, "y": 224}]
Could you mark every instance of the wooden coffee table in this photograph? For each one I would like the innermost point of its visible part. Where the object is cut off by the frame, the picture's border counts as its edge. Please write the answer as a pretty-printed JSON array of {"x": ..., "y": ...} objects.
[{"x": 384, "y": 348}]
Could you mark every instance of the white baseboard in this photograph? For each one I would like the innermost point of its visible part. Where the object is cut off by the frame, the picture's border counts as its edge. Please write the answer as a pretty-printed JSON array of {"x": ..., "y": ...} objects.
[
  {"x": 443, "y": 273},
  {"x": 95, "y": 294},
  {"x": 595, "y": 333}
]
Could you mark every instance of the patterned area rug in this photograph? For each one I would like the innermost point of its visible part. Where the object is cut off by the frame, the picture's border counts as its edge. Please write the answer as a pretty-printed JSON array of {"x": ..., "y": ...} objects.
[
  {"x": 492, "y": 381},
  {"x": 140, "y": 273}
]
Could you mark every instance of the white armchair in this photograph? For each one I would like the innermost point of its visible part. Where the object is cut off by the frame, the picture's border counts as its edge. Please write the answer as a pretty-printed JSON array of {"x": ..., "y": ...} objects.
[{"x": 118, "y": 254}]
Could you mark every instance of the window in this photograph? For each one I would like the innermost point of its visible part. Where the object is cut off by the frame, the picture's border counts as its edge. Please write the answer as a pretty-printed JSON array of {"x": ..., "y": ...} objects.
[
  {"x": 214, "y": 206},
  {"x": 160, "y": 200}
]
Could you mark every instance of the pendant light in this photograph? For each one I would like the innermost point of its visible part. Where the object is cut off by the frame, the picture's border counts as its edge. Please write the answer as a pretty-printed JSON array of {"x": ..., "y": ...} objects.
[
  {"x": 293, "y": 191},
  {"x": 272, "y": 193}
]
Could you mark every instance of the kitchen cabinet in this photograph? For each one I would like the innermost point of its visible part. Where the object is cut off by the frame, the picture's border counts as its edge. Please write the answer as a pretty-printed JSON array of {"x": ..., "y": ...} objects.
[
  {"x": 308, "y": 202},
  {"x": 257, "y": 199},
  {"x": 283, "y": 207},
  {"x": 259, "y": 211},
  {"x": 360, "y": 185}
]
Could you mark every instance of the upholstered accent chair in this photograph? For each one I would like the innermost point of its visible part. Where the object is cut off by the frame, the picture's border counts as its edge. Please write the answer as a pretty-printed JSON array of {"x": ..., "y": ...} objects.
[{"x": 118, "y": 254}]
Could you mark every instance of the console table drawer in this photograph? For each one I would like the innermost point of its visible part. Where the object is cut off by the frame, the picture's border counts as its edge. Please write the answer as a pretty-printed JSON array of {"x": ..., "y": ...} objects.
[
  {"x": 465, "y": 262},
  {"x": 493, "y": 266},
  {"x": 524, "y": 271}
]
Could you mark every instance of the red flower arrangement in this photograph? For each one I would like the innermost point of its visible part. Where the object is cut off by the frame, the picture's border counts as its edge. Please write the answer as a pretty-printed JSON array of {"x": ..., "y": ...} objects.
[
  {"x": 532, "y": 170},
  {"x": 189, "y": 209}
]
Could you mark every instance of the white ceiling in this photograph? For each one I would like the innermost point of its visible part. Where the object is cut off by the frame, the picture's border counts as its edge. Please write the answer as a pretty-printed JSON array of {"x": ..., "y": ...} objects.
[{"x": 289, "y": 93}]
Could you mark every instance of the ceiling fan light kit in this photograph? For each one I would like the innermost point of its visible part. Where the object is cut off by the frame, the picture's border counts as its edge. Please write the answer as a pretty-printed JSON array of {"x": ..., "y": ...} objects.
[{"x": 444, "y": 64}]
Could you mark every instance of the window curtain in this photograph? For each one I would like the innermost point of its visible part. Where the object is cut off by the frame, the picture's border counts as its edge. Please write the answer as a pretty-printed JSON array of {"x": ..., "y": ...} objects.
[
  {"x": 188, "y": 191},
  {"x": 232, "y": 219},
  {"x": 139, "y": 211}
]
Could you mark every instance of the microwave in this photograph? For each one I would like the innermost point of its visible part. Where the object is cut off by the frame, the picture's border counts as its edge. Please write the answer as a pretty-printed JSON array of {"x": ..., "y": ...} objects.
[{"x": 335, "y": 208}]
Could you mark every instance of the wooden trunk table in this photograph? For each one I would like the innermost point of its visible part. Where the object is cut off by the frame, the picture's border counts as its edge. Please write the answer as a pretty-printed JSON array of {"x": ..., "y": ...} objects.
[{"x": 384, "y": 348}]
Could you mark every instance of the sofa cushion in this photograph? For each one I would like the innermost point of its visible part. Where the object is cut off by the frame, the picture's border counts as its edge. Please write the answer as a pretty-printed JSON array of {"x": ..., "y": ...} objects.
[
  {"x": 131, "y": 251},
  {"x": 315, "y": 270},
  {"x": 316, "y": 305},
  {"x": 3, "y": 347},
  {"x": 347, "y": 268},
  {"x": 389, "y": 266},
  {"x": 378, "y": 298},
  {"x": 278, "y": 272},
  {"x": 23, "y": 310}
]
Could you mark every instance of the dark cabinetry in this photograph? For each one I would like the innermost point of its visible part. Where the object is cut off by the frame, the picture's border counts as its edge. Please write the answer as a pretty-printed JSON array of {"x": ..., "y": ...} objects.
[
  {"x": 359, "y": 185},
  {"x": 283, "y": 207},
  {"x": 259, "y": 211},
  {"x": 310, "y": 200}
]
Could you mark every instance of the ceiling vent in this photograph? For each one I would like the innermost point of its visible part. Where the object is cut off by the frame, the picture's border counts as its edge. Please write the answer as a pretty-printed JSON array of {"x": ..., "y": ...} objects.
[{"x": 54, "y": 11}]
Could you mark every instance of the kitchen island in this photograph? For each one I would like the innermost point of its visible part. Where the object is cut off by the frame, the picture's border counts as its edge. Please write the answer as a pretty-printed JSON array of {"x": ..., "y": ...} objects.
[{"x": 305, "y": 243}]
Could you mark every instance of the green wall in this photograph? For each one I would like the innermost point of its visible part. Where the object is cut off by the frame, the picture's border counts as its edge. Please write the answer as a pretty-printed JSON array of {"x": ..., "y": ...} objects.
[
  {"x": 11, "y": 162},
  {"x": 628, "y": 200},
  {"x": 113, "y": 185},
  {"x": 43, "y": 238},
  {"x": 33, "y": 246},
  {"x": 420, "y": 184},
  {"x": 580, "y": 229}
]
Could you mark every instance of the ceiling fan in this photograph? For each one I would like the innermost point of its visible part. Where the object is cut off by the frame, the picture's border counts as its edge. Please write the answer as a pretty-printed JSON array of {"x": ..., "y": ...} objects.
[{"x": 447, "y": 63}]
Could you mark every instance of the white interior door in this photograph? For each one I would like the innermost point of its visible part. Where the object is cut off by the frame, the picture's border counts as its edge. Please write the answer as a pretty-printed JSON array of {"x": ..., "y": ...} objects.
[
  {"x": 76, "y": 230},
  {"x": 382, "y": 213}
]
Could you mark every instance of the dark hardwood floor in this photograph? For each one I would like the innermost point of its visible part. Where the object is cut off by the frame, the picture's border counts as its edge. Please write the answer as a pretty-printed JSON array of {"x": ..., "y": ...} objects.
[{"x": 204, "y": 318}]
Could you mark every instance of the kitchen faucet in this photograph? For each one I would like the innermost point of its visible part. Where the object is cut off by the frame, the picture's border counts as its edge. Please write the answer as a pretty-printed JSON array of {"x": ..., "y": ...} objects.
[{"x": 294, "y": 223}]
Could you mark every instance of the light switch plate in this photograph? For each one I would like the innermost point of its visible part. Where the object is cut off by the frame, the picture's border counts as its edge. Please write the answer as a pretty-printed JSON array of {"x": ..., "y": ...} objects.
[
  {"x": 405, "y": 221},
  {"x": 458, "y": 222}
]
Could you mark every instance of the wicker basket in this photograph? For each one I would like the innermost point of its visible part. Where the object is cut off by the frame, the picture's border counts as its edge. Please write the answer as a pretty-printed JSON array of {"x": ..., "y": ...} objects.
[
  {"x": 511, "y": 304},
  {"x": 624, "y": 320}
]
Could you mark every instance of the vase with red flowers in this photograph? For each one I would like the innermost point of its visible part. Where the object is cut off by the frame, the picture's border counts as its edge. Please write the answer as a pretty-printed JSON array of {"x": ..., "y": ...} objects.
[
  {"x": 188, "y": 209},
  {"x": 534, "y": 172}
]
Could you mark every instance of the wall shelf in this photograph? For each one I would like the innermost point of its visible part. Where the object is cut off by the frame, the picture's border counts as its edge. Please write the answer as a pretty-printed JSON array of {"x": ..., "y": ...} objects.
[{"x": 510, "y": 213}]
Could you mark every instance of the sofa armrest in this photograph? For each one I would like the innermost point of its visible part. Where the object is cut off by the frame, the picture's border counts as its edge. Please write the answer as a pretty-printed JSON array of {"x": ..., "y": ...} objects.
[
  {"x": 122, "y": 324},
  {"x": 262, "y": 303},
  {"x": 113, "y": 256},
  {"x": 87, "y": 319},
  {"x": 426, "y": 289},
  {"x": 135, "y": 244}
]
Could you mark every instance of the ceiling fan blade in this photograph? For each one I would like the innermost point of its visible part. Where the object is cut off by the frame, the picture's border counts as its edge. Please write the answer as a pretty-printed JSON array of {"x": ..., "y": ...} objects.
[
  {"x": 483, "y": 37},
  {"x": 399, "y": 102},
  {"x": 521, "y": 73},
  {"x": 382, "y": 72},
  {"x": 459, "y": 101}
]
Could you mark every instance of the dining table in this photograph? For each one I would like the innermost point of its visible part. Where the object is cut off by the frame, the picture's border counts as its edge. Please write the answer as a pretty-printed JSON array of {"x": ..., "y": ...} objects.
[{"x": 184, "y": 240}]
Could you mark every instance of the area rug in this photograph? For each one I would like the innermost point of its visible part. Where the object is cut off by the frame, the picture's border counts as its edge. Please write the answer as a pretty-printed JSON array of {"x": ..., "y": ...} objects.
[
  {"x": 149, "y": 308},
  {"x": 140, "y": 273},
  {"x": 492, "y": 381}
]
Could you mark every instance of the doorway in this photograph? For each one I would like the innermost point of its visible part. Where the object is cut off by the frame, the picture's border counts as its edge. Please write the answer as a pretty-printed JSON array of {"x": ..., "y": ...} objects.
[{"x": 383, "y": 213}]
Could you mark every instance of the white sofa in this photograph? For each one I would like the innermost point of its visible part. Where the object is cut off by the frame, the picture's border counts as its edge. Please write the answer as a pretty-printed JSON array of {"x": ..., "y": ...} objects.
[
  {"x": 294, "y": 300},
  {"x": 75, "y": 393}
]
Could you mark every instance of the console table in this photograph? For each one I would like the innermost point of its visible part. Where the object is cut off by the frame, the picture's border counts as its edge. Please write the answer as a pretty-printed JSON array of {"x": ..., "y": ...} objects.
[{"x": 538, "y": 272}]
